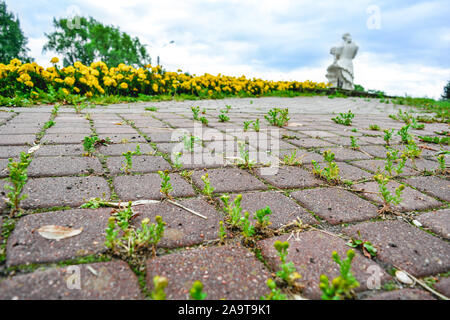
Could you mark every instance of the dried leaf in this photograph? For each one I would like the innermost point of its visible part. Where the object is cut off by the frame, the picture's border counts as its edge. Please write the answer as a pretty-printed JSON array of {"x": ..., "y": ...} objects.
[{"x": 57, "y": 233}]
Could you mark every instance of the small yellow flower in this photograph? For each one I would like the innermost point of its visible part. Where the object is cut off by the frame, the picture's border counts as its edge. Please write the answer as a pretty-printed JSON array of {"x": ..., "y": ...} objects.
[
  {"x": 124, "y": 85},
  {"x": 54, "y": 60},
  {"x": 69, "y": 81}
]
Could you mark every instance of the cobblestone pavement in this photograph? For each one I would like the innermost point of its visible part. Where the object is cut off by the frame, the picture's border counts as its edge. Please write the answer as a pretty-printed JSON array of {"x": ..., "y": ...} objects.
[{"x": 61, "y": 178}]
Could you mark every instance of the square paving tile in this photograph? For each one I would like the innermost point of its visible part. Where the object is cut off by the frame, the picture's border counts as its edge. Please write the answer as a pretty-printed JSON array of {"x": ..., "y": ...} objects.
[
  {"x": 437, "y": 187},
  {"x": 289, "y": 177},
  {"x": 284, "y": 210},
  {"x": 182, "y": 227},
  {"x": 437, "y": 221},
  {"x": 63, "y": 166},
  {"x": 336, "y": 205},
  {"x": 147, "y": 186},
  {"x": 405, "y": 246},
  {"x": 142, "y": 164},
  {"x": 98, "y": 281},
  {"x": 311, "y": 254},
  {"x": 228, "y": 272},
  {"x": 228, "y": 180},
  {"x": 411, "y": 199},
  {"x": 63, "y": 191},
  {"x": 25, "y": 245}
]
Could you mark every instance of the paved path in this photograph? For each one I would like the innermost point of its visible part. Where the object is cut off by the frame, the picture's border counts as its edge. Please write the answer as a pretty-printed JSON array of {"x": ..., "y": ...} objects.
[{"x": 61, "y": 179}]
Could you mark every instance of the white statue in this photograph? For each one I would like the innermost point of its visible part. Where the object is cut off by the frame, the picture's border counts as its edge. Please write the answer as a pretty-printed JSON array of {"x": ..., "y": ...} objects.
[{"x": 340, "y": 73}]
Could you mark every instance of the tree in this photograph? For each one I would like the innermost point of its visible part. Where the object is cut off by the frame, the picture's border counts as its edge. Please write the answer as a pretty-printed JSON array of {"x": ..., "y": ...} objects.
[
  {"x": 89, "y": 40},
  {"x": 446, "y": 95},
  {"x": 12, "y": 40}
]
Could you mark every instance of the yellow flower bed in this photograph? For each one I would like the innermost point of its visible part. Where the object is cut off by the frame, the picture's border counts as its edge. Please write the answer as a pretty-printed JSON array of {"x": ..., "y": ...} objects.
[{"x": 98, "y": 79}]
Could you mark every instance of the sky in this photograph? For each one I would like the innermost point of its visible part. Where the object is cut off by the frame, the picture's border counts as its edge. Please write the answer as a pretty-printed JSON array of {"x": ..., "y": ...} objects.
[{"x": 404, "y": 45}]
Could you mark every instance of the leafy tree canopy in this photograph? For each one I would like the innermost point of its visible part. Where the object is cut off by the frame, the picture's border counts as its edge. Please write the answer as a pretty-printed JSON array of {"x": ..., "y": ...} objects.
[
  {"x": 12, "y": 40},
  {"x": 87, "y": 40}
]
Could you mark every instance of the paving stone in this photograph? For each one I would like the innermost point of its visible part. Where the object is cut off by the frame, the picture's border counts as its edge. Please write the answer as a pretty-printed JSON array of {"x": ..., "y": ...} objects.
[
  {"x": 227, "y": 272},
  {"x": 200, "y": 160},
  {"x": 289, "y": 177},
  {"x": 229, "y": 147},
  {"x": 63, "y": 191},
  {"x": 318, "y": 134},
  {"x": 25, "y": 245},
  {"x": 228, "y": 180},
  {"x": 336, "y": 205},
  {"x": 347, "y": 171},
  {"x": 376, "y": 151},
  {"x": 63, "y": 138},
  {"x": 342, "y": 154},
  {"x": 266, "y": 143},
  {"x": 86, "y": 130},
  {"x": 166, "y": 136},
  {"x": 147, "y": 187},
  {"x": 437, "y": 187},
  {"x": 143, "y": 164},
  {"x": 17, "y": 139},
  {"x": 411, "y": 199},
  {"x": 311, "y": 254},
  {"x": 372, "y": 140},
  {"x": 119, "y": 149},
  {"x": 437, "y": 221},
  {"x": 116, "y": 130},
  {"x": 422, "y": 165},
  {"x": 7, "y": 152},
  {"x": 374, "y": 165},
  {"x": 178, "y": 147},
  {"x": 123, "y": 138},
  {"x": 284, "y": 210},
  {"x": 404, "y": 294},
  {"x": 19, "y": 130},
  {"x": 304, "y": 157},
  {"x": 345, "y": 141},
  {"x": 183, "y": 228},
  {"x": 112, "y": 281},
  {"x": 310, "y": 143},
  {"x": 60, "y": 150},
  {"x": 63, "y": 166},
  {"x": 443, "y": 286},
  {"x": 3, "y": 195},
  {"x": 405, "y": 246}
]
